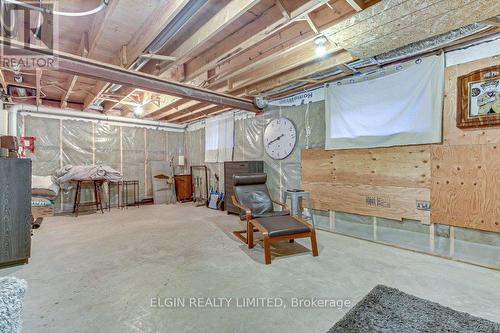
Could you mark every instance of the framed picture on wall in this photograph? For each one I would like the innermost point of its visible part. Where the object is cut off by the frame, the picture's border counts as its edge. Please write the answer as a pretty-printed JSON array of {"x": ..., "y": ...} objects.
[{"x": 479, "y": 98}]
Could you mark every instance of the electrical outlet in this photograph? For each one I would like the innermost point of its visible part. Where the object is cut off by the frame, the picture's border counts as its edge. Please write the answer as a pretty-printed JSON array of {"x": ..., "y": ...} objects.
[{"x": 423, "y": 205}]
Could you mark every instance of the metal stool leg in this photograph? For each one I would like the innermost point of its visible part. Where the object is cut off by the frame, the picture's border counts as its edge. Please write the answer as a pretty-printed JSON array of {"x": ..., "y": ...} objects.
[{"x": 309, "y": 201}]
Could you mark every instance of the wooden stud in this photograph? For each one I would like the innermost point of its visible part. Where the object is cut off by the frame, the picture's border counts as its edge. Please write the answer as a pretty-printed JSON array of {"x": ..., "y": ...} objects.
[
  {"x": 432, "y": 231},
  {"x": 452, "y": 241},
  {"x": 332, "y": 220},
  {"x": 38, "y": 86},
  {"x": 69, "y": 90},
  {"x": 358, "y": 5},
  {"x": 311, "y": 23},
  {"x": 123, "y": 56},
  {"x": 4, "y": 86},
  {"x": 495, "y": 21},
  {"x": 283, "y": 9}
]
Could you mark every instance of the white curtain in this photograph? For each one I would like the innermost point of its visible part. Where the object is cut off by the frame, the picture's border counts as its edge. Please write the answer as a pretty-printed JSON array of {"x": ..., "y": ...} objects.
[
  {"x": 399, "y": 105},
  {"x": 219, "y": 138}
]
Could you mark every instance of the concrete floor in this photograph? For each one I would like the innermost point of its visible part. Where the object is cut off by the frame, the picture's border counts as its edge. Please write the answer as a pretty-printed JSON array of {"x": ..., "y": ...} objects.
[{"x": 98, "y": 273}]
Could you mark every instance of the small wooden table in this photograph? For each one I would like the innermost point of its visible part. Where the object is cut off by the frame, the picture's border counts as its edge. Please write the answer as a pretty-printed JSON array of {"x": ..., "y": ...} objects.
[{"x": 97, "y": 194}]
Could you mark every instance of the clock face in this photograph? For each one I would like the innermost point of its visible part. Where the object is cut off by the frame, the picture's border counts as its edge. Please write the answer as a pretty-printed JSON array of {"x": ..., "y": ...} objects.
[{"x": 280, "y": 137}]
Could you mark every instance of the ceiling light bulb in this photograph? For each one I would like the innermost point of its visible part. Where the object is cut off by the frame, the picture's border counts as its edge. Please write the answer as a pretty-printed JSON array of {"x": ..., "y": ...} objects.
[
  {"x": 138, "y": 111},
  {"x": 320, "y": 50},
  {"x": 320, "y": 43}
]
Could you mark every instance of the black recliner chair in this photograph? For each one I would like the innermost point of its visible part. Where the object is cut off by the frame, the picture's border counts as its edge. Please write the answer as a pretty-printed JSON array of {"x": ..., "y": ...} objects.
[{"x": 252, "y": 197}]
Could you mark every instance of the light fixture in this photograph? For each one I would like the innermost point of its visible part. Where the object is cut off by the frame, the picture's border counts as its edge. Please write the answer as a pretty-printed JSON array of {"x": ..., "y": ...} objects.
[
  {"x": 260, "y": 101},
  {"x": 138, "y": 111},
  {"x": 320, "y": 43}
]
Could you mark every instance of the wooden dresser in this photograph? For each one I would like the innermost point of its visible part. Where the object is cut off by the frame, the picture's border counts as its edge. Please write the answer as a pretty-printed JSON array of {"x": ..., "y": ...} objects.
[
  {"x": 15, "y": 211},
  {"x": 231, "y": 168},
  {"x": 183, "y": 187}
]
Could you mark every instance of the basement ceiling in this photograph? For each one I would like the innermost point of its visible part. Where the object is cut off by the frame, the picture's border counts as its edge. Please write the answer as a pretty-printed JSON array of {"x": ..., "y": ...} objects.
[{"x": 239, "y": 47}]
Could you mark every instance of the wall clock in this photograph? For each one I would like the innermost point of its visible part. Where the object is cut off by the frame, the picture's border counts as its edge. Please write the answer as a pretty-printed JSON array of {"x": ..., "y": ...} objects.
[{"x": 280, "y": 137}]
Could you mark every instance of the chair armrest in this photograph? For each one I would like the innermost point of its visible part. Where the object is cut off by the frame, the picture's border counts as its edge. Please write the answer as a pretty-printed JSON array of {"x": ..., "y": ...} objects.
[
  {"x": 248, "y": 212},
  {"x": 283, "y": 205}
]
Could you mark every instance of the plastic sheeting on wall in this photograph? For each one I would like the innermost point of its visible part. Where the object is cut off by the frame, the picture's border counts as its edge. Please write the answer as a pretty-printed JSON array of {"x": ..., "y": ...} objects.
[
  {"x": 134, "y": 156},
  {"x": 77, "y": 142},
  {"x": 248, "y": 144},
  {"x": 156, "y": 150},
  {"x": 47, "y": 145}
]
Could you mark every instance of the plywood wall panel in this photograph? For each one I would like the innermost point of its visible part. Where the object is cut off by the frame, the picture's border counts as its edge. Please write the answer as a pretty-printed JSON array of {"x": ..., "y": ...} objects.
[
  {"x": 460, "y": 177},
  {"x": 466, "y": 186},
  {"x": 382, "y": 201},
  {"x": 466, "y": 168},
  {"x": 452, "y": 135},
  {"x": 316, "y": 166},
  {"x": 383, "y": 182},
  {"x": 396, "y": 166}
]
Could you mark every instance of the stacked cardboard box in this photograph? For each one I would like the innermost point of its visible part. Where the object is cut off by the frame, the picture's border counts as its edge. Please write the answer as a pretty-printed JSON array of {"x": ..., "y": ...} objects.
[{"x": 10, "y": 146}]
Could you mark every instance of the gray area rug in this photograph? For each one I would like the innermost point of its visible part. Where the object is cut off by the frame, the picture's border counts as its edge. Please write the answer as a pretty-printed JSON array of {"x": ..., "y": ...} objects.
[
  {"x": 387, "y": 310},
  {"x": 12, "y": 292}
]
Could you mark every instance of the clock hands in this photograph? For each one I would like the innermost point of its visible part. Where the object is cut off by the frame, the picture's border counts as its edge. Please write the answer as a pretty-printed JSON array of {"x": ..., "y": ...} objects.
[{"x": 277, "y": 139}]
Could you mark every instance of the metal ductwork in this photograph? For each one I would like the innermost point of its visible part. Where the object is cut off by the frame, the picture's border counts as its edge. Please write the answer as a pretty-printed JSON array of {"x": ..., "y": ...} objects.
[
  {"x": 410, "y": 50},
  {"x": 166, "y": 35}
]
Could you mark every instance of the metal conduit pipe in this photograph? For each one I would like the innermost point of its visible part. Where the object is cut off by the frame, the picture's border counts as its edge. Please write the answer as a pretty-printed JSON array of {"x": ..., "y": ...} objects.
[{"x": 15, "y": 109}]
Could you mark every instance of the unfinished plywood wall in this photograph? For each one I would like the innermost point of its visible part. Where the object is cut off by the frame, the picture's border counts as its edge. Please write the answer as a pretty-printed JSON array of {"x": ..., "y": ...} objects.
[
  {"x": 460, "y": 178},
  {"x": 384, "y": 182},
  {"x": 466, "y": 168}
]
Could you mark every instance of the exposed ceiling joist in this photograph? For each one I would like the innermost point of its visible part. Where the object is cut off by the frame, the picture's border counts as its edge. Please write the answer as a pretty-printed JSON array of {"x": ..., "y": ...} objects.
[
  {"x": 141, "y": 40},
  {"x": 160, "y": 112},
  {"x": 311, "y": 23},
  {"x": 126, "y": 92},
  {"x": 227, "y": 15},
  {"x": 202, "y": 114},
  {"x": 495, "y": 21},
  {"x": 83, "y": 51},
  {"x": 358, "y": 5},
  {"x": 293, "y": 59},
  {"x": 157, "y": 57},
  {"x": 284, "y": 11},
  {"x": 190, "y": 105},
  {"x": 245, "y": 38},
  {"x": 297, "y": 74},
  {"x": 97, "y": 70},
  {"x": 276, "y": 46},
  {"x": 177, "y": 116},
  {"x": 186, "y": 111}
]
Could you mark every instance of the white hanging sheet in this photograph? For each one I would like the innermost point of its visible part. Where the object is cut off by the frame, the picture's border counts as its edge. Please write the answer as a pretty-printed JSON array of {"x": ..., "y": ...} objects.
[{"x": 399, "y": 105}]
